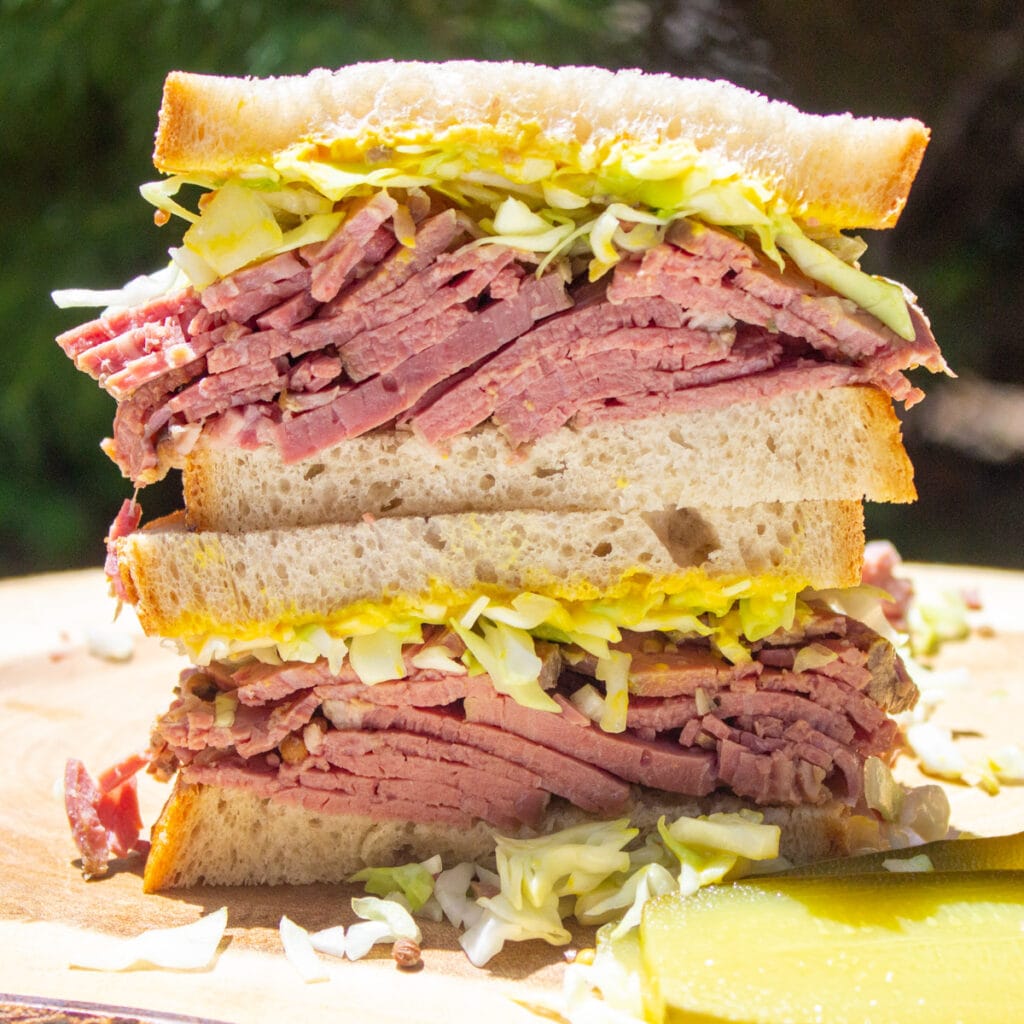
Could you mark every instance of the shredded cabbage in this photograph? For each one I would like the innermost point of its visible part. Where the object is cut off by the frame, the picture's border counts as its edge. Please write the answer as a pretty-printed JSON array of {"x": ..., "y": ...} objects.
[
  {"x": 622, "y": 900},
  {"x": 813, "y": 656},
  {"x": 236, "y": 228},
  {"x": 299, "y": 949},
  {"x": 588, "y": 702},
  {"x": 189, "y": 947},
  {"x": 502, "y": 922},
  {"x": 1008, "y": 763},
  {"x": 383, "y": 921},
  {"x": 614, "y": 673},
  {"x": 500, "y": 634},
  {"x": 452, "y": 891},
  {"x": 936, "y": 620},
  {"x": 137, "y": 291},
  {"x": 438, "y": 658},
  {"x": 566, "y": 863},
  {"x": 224, "y": 707},
  {"x": 710, "y": 847},
  {"x": 414, "y": 881},
  {"x": 922, "y": 862},
  {"x": 377, "y": 656},
  {"x": 934, "y": 747},
  {"x": 882, "y": 792},
  {"x": 330, "y": 941},
  {"x": 537, "y": 203},
  {"x": 883, "y": 299},
  {"x": 507, "y": 655}
]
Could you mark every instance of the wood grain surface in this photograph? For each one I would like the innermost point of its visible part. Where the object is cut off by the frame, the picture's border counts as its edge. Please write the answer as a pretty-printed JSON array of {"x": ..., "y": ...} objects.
[{"x": 60, "y": 700}]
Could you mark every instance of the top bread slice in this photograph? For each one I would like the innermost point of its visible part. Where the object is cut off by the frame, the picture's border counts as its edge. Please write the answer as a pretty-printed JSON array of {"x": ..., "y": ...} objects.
[
  {"x": 839, "y": 444},
  {"x": 839, "y": 170}
]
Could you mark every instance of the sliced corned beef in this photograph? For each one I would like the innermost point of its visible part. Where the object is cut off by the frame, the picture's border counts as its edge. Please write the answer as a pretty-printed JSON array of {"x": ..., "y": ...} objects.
[
  {"x": 563, "y": 389},
  {"x": 381, "y": 399},
  {"x": 697, "y": 723},
  {"x": 554, "y": 342},
  {"x": 383, "y": 348},
  {"x": 442, "y": 338},
  {"x": 118, "y": 322}
]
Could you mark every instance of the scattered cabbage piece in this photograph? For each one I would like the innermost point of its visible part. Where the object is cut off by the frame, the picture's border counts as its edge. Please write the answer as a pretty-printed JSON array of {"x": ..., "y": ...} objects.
[
  {"x": 882, "y": 792},
  {"x": 710, "y": 847},
  {"x": 614, "y": 673},
  {"x": 922, "y": 862},
  {"x": 1008, "y": 763},
  {"x": 813, "y": 656},
  {"x": 330, "y": 941},
  {"x": 110, "y": 643},
  {"x": 384, "y": 921},
  {"x": 935, "y": 620},
  {"x": 452, "y": 891},
  {"x": 622, "y": 900},
  {"x": 298, "y": 948},
  {"x": 503, "y": 922},
  {"x": 414, "y": 881},
  {"x": 136, "y": 292},
  {"x": 224, "y": 707},
  {"x": 189, "y": 947},
  {"x": 934, "y": 747},
  {"x": 606, "y": 987},
  {"x": 925, "y": 811}
]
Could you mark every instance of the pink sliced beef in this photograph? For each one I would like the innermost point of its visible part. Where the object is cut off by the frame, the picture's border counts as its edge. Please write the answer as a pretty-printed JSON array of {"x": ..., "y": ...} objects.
[
  {"x": 394, "y": 319},
  {"x": 695, "y": 723}
]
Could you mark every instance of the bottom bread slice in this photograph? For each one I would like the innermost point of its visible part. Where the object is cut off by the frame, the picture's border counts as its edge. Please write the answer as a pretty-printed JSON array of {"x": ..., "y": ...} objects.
[{"x": 222, "y": 835}]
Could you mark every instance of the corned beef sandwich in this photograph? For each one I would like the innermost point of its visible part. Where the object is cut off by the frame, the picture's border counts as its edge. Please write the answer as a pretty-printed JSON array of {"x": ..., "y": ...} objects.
[{"x": 525, "y": 417}]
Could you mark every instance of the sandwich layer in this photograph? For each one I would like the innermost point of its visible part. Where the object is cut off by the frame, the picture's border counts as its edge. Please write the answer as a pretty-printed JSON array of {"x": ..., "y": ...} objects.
[
  {"x": 833, "y": 444},
  {"x": 396, "y": 320},
  {"x": 438, "y": 755},
  {"x": 353, "y": 578},
  {"x": 839, "y": 170}
]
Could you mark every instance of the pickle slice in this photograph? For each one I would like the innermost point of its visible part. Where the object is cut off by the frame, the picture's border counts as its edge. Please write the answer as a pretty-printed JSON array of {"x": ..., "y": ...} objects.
[
  {"x": 877, "y": 948},
  {"x": 996, "y": 853}
]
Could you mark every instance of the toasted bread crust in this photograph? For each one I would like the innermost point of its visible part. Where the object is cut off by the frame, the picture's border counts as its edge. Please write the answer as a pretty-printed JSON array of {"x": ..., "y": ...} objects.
[{"x": 843, "y": 171}]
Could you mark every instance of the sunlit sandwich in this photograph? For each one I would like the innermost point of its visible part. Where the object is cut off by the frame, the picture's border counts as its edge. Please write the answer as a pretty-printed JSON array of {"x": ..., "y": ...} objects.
[{"x": 525, "y": 417}]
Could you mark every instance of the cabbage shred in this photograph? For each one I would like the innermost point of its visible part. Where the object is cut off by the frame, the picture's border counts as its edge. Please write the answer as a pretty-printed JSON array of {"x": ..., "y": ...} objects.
[{"x": 623, "y": 202}]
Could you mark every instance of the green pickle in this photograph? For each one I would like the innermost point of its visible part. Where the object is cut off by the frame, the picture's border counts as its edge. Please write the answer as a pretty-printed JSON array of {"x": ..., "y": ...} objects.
[
  {"x": 995, "y": 853},
  {"x": 877, "y": 948}
]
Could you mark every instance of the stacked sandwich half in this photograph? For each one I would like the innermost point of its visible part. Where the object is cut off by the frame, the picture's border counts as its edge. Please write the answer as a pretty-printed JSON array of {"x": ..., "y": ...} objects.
[{"x": 525, "y": 418}]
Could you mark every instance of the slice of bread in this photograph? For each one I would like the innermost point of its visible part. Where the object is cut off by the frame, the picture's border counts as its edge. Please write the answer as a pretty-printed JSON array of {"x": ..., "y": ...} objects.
[
  {"x": 219, "y": 835},
  {"x": 249, "y": 585},
  {"x": 840, "y": 444},
  {"x": 839, "y": 170}
]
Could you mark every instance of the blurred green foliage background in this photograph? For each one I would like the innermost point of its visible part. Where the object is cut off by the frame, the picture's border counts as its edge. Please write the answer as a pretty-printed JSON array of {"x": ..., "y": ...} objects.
[{"x": 80, "y": 84}]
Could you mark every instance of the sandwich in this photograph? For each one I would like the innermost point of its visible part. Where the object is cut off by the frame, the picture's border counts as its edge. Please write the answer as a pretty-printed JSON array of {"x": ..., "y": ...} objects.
[{"x": 525, "y": 418}]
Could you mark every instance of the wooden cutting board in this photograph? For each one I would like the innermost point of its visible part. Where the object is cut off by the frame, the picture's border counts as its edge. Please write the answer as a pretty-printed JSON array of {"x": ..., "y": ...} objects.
[{"x": 58, "y": 700}]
